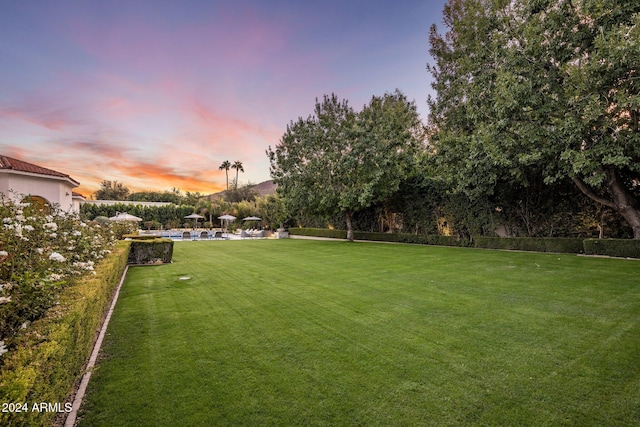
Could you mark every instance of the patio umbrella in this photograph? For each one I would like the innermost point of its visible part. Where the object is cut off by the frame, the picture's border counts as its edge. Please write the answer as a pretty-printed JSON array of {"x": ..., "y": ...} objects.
[
  {"x": 252, "y": 218},
  {"x": 195, "y": 218},
  {"x": 123, "y": 216},
  {"x": 226, "y": 218}
]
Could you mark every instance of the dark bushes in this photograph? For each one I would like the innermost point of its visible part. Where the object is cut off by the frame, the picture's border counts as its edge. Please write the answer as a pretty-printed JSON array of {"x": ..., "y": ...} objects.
[
  {"x": 611, "y": 247},
  {"x": 151, "y": 251}
]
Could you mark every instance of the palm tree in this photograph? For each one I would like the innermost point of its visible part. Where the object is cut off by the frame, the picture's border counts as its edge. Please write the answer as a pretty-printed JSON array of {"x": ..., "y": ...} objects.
[
  {"x": 226, "y": 165},
  {"x": 237, "y": 165}
]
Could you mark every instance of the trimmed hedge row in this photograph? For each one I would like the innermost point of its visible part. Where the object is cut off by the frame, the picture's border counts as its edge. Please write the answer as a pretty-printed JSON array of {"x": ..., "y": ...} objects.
[
  {"x": 49, "y": 358},
  {"x": 151, "y": 251},
  {"x": 432, "y": 239},
  {"x": 532, "y": 244},
  {"x": 319, "y": 232},
  {"x": 627, "y": 248},
  {"x": 613, "y": 247}
]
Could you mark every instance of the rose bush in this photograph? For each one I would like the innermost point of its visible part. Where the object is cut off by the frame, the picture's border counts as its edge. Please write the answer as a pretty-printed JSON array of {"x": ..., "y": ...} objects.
[{"x": 42, "y": 249}]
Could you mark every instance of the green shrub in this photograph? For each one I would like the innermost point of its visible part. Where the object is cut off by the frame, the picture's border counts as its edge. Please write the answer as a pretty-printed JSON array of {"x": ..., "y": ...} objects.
[
  {"x": 628, "y": 248},
  {"x": 531, "y": 244},
  {"x": 420, "y": 239},
  {"x": 139, "y": 236},
  {"x": 564, "y": 245},
  {"x": 155, "y": 251},
  {"x": 318, "y": 232},
  {"x": 48, "y": 358},
  {"x": 432, "y": 239}
]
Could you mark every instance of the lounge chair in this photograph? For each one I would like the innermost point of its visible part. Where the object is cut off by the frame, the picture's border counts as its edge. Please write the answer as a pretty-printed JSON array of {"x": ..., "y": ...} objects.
[
  {"x": 217, "y": 235},
  {"x": 186, "y": 235},
  {"x": 204, "y": 235}
]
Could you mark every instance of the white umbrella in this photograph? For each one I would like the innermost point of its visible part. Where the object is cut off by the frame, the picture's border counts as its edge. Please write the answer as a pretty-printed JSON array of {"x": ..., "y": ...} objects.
[
  {"x": 195, "y": 218},
  {"x": 123, "y": 216},
  {"x": 252, "y": 218},
  {"x": 226, "y": 218}
]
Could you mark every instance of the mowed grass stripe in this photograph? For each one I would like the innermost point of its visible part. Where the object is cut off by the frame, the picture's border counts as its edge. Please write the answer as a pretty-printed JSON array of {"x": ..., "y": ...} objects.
[{"x": 332, "y": 333}]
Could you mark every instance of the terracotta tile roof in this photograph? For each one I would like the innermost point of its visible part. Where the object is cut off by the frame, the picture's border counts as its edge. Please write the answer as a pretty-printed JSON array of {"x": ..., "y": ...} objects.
[{"x": 20, "y": 166}]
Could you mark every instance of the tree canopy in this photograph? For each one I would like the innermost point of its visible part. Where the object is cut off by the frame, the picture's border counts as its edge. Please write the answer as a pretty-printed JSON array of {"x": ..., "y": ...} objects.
[
  {"x": 550, "y": 86},
  {"x": 111, "y": 190},
  {"x": 338, "y": 161}
]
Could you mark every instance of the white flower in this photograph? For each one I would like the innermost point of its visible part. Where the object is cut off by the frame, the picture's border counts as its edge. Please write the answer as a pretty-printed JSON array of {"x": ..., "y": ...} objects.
[
  {"x": 3, "y": 348},
  {"x": 5, "y": 299},
  {"x": 28, "y": 227},
  {"x": 53, "y": 235},
  {"x": 51, "y": 226},
  {"x": 40, "y": 250},
  {"x": 55, "y": 256},
  {"x": 20, "y": 218},
  {"x": 7, "y": 220},
  {"x": 54, "y": 277},
  {"x": 76, "y": 233},
  {"x": 4, "y": 253}
]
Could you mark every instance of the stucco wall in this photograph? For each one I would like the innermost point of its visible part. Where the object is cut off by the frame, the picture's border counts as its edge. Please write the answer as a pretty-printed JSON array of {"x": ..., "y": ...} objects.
[{"x": 54, "y": 190}]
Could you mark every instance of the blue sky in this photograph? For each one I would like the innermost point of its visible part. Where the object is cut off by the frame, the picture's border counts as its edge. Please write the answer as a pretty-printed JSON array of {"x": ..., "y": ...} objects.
[{"x": 157, "y": 94}]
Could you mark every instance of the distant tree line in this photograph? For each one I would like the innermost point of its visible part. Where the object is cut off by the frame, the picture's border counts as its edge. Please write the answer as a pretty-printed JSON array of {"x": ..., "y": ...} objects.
[
  {"x": 241, "y": 202},
  {"x": 114, "y": 190}
]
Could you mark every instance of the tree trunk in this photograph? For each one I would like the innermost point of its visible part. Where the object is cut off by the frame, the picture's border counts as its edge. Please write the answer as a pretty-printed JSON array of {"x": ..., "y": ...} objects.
[
  {"x": 626, "y": 203},
  {"x": 349, "y": 215},
  {"x": 623, "y": 202}
]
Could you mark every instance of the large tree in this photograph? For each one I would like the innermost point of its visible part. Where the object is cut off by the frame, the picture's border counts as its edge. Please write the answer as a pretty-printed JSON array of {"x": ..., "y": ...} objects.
[
  {"x": 545, "y": 85},
  {"x": 338, "y": 161},
  {"x": 111, "y": 190}
]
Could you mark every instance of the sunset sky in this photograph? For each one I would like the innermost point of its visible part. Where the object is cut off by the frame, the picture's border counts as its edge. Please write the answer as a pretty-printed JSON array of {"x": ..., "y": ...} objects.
[{"x": 157, "y": 94}]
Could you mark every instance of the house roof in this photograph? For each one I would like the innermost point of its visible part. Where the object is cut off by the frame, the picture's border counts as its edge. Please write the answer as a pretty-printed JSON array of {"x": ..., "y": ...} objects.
[{"x": 9, "y": 163}]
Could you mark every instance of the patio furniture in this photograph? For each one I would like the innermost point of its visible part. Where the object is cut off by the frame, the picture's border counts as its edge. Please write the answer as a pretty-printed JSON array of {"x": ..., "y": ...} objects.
[
  {"x": 204, "y": 235},
  {"x": 186, "y": 235},
  {"x": 217, "y": 235}
]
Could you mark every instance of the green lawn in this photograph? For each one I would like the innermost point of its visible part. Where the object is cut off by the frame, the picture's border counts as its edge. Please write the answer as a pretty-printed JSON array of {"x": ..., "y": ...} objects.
[{"x": 292, "y": 332}]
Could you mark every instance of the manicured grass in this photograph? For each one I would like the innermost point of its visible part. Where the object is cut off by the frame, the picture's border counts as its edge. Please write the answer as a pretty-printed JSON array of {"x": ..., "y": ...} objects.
[{"x": 293, "y": 332}]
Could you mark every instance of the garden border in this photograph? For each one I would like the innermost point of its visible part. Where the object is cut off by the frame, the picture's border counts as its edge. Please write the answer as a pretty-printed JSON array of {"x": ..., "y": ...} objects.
[{"x": 79, "y": 395}]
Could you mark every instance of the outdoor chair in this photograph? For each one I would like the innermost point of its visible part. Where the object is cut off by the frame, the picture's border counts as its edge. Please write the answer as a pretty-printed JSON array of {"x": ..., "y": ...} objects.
[
  {"x": 186, "y": 235},
  {"x": 204, "y": 235},
  {"x": 217, "y": 235}
]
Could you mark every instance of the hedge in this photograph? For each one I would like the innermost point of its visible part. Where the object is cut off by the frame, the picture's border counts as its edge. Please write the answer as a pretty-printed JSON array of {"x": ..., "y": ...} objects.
[
  {"x": 420, "y": 239},
  {"x": 629, "y": 248},
  {"x": 151, "y": 251},
  {"x": 625, "y": 248},
  {"x": 318, "y": 232},
  {"x": 381, "y": 237},
  {"x": 49, "y": 358},
  {"x": 533, "y": 244}
]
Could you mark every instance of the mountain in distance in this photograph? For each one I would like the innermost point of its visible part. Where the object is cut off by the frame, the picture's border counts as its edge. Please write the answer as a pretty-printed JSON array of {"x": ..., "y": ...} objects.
[{"x": 263, "y": 189}]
